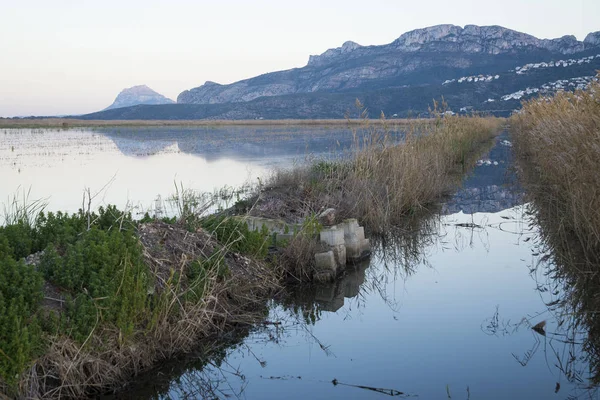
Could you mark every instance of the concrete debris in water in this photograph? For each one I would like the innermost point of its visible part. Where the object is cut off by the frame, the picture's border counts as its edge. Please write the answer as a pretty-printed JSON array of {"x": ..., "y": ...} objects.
[{"x": 347, "y": 244}]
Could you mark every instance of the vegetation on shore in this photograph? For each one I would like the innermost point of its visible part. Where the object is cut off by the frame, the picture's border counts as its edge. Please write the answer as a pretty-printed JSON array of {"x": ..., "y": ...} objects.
[
  {"x": 109, "y": 296},
  {"x": 102, "y": 297},
  {"x": 382, "y": 182},
  {"x": 557, "y": 146}
]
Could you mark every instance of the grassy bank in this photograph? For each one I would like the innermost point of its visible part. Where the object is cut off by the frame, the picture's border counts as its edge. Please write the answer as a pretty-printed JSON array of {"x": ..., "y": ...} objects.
[
  {"x": 109, "y": 297},
  {"x": 382, "y": 182},
  {"x": 557, "y": 146}
]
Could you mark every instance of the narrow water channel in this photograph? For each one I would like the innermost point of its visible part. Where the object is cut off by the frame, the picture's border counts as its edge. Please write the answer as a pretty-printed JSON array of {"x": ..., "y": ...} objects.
[{"x": 462, "y": 308}]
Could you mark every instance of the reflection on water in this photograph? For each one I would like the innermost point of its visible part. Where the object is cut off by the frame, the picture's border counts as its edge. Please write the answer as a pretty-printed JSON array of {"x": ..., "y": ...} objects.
[
  {"x": 267, "y": 144},
  {"x": 492, "y": 186},
  {"x": 445, "y": 309},
  {"x": 139, "y": 164}
]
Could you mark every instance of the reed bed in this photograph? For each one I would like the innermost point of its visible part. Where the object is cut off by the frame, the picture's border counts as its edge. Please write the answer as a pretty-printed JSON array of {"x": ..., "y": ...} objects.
[
  {"x": 383, "y": 182},
  {"x": 557, "y": 147}
]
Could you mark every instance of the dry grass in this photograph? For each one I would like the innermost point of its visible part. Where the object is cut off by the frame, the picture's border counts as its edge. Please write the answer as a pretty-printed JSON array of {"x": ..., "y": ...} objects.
[
  {"x": 65, "y": 123},
  {"x": 557, "y": 144},
  {"x": 557, "y": 148},
  {"x": 383, "y": 182},
  {"x": 297, "y": 259}
]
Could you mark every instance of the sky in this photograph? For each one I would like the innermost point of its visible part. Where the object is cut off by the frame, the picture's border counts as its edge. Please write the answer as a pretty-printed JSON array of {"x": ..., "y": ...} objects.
[{"x": 74, "y": 56}]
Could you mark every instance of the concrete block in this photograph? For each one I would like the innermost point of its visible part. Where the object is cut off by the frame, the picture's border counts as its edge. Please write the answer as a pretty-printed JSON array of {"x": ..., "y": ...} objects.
[
  {"x": 349, "y": 225},
  {"x": 353, "y": 249},
  {"x": 333, "y": 236},
  {"x": 323, "y": 277},
  {"x": 360, "y": 233},
  {"x": 325, "y": 262},
  {"x": 339, "y": 253},
  {"x": 365, "y": 247},
  {"x": 272, "y": 225}
]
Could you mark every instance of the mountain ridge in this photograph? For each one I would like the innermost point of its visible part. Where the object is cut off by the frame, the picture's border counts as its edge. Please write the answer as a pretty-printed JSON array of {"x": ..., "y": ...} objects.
[
  {"x": 486, "y": 69},
  {"x": 415, "y": 57}
]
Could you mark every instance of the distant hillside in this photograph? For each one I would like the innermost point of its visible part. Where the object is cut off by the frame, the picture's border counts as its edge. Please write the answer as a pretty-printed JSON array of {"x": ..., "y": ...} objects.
[
  {"x": 474, "y": 68},
  {"x": 419, "y": 57},
  {"x": 136, "y": 95}
]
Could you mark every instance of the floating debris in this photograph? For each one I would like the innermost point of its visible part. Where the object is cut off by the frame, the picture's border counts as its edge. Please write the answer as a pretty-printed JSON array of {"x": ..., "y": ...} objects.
[
  {"x": 540, "y": 328},
  {"x": 389, "y": 392}
]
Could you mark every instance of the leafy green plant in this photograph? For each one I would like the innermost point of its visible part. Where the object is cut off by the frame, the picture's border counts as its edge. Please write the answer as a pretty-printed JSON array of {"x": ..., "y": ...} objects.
[
  {"x": 199, "y": 271},
  {"x": 106, "y": 276},
  {"x": 20, "y": 295},
  {"x": 19, "y": 238},
  {"x": 235, "y": 235}
]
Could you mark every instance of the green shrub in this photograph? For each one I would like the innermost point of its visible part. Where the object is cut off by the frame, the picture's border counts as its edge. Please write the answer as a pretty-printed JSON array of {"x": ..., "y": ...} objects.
[
  {"x": 20, "y": 239},
  {"x": 105, "y": 274},
  {"x": 148, "y": 218},
  {"x": 235, "y": 235},
  {"x": 59, "y": 229},
  {"x": 199, "y": 270},
  {"x": 20, "y": 295}
]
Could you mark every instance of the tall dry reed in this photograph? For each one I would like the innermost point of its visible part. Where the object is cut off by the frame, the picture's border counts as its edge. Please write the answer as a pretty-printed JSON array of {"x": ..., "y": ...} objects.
[
  {"x": 557, "y": 144},
  {"x": 383, "y": 181}
]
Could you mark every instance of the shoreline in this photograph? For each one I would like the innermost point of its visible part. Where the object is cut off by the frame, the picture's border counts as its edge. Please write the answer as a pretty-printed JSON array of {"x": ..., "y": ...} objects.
[
  {"x": 191, "y": 278},
  {"x": 67, "y": 123}
]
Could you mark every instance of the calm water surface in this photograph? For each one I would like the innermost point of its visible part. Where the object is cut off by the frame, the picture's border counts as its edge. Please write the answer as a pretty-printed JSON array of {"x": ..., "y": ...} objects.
[
  {"x": 135, "y": 165},
  {"x": 446, "y": 312}
]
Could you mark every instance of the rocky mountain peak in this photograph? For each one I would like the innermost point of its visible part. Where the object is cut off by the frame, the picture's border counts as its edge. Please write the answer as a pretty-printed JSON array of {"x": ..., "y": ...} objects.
[
  {"x": 330, "y": 54},
  {"x": 413, "y": 40},
  {"x": 492, "y": 39},
  {"x": 592, "y": 39},
  {"x": 349, "y": 46},
  {"x": 472, "y": 39},
  {"x": 140, "y": 94}
]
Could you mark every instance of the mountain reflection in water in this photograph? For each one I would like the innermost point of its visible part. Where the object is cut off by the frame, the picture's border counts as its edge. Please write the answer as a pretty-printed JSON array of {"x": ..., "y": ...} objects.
[{"x": 445, "y": 308}]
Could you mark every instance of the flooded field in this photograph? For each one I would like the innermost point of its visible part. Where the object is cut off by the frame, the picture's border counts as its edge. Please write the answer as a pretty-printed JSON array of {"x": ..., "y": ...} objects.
[
  {"x": 453, "y": 320},
  {"x": 136, "y": 165},
  {"x": 460, "y": 304},
  {"x": 461, "y": 307}
]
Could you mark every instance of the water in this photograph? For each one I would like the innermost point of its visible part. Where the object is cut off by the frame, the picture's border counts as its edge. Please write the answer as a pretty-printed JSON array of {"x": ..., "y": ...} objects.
[
  {"x": 444, "y": 313},
  {"x": 135, "y": 165}
]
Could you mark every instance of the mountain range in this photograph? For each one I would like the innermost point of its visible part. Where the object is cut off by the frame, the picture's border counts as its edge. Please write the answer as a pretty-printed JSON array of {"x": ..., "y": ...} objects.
[{"x": 484, "y": 68}]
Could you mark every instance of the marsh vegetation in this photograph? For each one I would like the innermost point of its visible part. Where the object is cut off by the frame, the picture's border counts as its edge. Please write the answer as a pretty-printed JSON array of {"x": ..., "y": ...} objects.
[
  {"x": 382, "y": 181},
  {"x": 557, "y": 146},
  {"x": 107, "y": 295}
]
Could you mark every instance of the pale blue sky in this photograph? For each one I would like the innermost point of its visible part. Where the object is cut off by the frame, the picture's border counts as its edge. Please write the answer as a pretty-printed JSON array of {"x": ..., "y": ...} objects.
[{"x": 75, "y": 56}]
